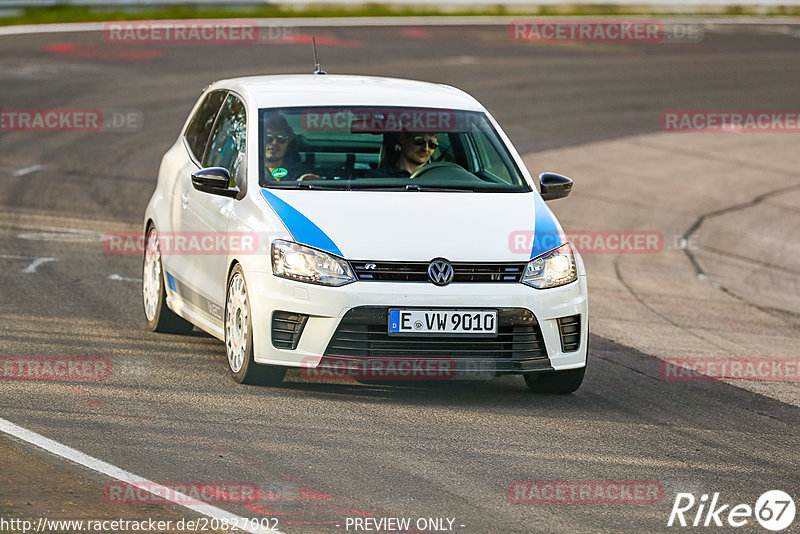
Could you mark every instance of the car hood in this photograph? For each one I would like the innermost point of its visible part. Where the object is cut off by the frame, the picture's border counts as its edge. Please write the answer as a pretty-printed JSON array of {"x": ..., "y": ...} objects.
[{"x": 418, "y": 226}]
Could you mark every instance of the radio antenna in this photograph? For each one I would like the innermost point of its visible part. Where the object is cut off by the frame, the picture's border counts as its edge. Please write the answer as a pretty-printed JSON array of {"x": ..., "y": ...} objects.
[{"x": 317, "y": 70}]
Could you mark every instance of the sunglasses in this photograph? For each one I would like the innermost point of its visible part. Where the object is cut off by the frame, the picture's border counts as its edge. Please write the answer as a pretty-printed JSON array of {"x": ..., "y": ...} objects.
[
  {"x": 281, "y": 139},
  {"x": 421, "y": 141}
]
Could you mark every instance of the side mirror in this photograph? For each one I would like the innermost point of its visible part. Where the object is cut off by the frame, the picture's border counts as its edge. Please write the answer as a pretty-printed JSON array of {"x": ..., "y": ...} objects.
[
  {"x": 214, "y": 180},
  {"x": 554, "y": 185}
]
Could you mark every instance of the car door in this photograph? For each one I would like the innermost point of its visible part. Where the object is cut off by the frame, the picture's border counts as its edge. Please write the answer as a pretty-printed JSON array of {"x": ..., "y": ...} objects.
[
  {"x": 205, "y": 217},
  {"x": 195, "y": 138}
]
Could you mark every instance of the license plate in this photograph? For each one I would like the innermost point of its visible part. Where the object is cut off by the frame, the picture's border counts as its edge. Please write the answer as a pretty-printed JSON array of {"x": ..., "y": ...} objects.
[{"x": 443, "y": 322}]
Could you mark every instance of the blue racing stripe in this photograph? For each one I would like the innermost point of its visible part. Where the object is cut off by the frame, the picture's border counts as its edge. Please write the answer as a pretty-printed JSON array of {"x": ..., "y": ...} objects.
[
  {"x": 171, "y": 282},
  {"x": 546, "y": 236},
  {"x": 302, "y": 229}
]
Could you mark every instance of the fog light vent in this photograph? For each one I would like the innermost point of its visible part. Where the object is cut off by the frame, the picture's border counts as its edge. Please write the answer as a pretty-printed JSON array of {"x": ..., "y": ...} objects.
[
  {"x": 287, "y": 328},
  {"x": 570, "y": 329}
]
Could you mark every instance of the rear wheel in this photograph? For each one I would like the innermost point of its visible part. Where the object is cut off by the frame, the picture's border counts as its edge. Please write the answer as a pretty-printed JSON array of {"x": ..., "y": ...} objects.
[
  {"x": 154, "y": 295},
  {"x": 239, "y": 337}
]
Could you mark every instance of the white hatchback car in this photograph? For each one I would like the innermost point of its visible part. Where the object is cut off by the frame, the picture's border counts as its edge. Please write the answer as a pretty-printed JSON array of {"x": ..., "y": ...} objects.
[{"x": 350, "y": 222}]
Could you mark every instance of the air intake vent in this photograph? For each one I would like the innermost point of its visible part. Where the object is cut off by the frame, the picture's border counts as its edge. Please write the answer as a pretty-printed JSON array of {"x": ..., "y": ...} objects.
[
  {"x": 570, "y": 328},
  {"x": 390, "y": 271},
  {"x": 363, "y": 334},
  {"x": 287, "y": 328}
]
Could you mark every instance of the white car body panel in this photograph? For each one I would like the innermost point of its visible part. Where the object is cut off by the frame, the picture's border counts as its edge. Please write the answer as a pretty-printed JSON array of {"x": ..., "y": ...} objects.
[{"x": 418, "y": 226}]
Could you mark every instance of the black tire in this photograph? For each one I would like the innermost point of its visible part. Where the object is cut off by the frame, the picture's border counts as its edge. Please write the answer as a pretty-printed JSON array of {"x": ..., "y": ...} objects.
[
  {"x": 154, "y": 295},
  {"x": 558, "y": 382},
  {"x": 239, "y": 337}
]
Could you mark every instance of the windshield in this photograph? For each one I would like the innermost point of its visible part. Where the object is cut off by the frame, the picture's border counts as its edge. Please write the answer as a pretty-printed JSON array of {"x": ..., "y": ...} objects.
[{"x": 387, "y": 148}]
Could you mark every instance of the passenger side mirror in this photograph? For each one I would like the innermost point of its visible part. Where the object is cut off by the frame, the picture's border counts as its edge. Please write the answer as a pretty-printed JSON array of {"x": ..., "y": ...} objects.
[
  {"x": 554, "y": 185},
  {"x": 214, "y": 180}
]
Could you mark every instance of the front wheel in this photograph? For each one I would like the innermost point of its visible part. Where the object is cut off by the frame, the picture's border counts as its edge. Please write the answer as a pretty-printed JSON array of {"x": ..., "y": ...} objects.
[
  {"x": 239, "y": 337},
  {"x": 559, "y": 382},
  {"x": 154, "y": 295}
]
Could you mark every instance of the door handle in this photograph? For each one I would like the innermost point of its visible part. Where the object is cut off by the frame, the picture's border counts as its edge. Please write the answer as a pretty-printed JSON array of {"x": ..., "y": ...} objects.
[{"x": 185, "y": 199}]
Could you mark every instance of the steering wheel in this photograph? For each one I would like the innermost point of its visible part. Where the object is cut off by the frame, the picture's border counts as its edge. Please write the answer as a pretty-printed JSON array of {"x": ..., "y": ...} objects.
[{"x": 437, "y": 165}]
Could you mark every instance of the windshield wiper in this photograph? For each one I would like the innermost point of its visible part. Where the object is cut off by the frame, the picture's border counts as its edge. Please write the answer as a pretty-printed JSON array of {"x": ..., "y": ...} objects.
[
  {"x": 372, "y": 187},
  {"x": 438, "y": 189},
  {"x": 407, "y": 187},
  {"x": 382, "y": 187},
  {"x": 298, "y": 185}
]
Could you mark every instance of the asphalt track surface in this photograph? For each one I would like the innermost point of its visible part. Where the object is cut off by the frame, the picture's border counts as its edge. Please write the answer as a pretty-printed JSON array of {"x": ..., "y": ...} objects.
[{"x": 323, "y": 452}]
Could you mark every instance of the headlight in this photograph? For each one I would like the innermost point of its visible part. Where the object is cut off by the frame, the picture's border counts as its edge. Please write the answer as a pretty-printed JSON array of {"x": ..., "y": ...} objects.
[
  {"x": 551, "y": 269},
  {"x": 305, "y": 264}
]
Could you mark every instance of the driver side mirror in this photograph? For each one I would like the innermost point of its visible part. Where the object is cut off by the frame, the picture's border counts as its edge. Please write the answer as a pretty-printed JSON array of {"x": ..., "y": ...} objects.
[
  {"x": 554, "y": 185},
  {"x": 214, "y": 180}
]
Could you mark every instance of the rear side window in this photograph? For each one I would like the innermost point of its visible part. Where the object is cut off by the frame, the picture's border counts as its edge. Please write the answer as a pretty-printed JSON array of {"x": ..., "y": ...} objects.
[
  {"x": 200, "y": 125},
  {"x": 226, "y": 146}
]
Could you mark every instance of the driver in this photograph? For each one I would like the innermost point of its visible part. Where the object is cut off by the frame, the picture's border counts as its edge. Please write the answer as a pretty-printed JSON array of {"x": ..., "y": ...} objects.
[
  {"x": 412, "y": 151},
  {"x": 281, "y": 163}
]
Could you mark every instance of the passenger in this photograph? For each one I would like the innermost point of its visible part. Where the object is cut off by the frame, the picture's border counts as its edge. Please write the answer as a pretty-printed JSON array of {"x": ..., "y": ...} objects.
[
  {"x": 406, "y": 153},
  {"x": 281, "y": 159}
]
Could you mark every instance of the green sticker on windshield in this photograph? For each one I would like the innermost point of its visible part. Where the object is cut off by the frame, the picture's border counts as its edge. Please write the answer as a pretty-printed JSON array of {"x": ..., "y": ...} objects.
[{"x": 279, "y": 173}]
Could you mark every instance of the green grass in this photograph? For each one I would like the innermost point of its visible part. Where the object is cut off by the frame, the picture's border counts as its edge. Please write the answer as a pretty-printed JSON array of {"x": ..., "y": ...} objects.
[{"x": 72, "y": 13}]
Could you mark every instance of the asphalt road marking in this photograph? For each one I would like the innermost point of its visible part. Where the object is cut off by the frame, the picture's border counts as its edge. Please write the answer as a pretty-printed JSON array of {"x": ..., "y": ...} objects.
[
  {"x": 168, "y": 494},
  {"x": 27, "y": 170},
  {"x": 33, "y": 265},
  {"x": 64, "y": 235},
  {"x": 122, "y": 278}
]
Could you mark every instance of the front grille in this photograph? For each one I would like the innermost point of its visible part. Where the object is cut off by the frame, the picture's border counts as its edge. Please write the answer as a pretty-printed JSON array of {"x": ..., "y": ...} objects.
[
  {"x": 397, "y": 271},
  {"x": 287, "y": 328},
  {"x": 363, "y": 333},
  {"x": 570, "y": 329}
]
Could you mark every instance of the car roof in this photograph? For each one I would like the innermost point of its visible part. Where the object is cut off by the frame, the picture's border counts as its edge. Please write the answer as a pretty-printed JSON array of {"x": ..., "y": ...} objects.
[{"x": 292, "y": 90}]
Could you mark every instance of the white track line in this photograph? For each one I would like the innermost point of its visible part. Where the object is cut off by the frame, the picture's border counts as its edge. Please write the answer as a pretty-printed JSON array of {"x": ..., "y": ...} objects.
[
  {"x": 116, "y": 473},
  {"x": 35, "y": 263},
  {"x": 120, "y": 278},
  {"x": 27, "y": 170}
]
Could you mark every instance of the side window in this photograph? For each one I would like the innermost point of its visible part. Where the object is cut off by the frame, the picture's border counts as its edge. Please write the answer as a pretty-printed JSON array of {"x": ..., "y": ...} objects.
[
  {"x": 200, "y": 125},
  {"x": 226, "y": 146}
]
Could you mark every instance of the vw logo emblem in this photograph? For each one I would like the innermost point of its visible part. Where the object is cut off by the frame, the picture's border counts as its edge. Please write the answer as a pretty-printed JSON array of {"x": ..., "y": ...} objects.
[{"x": 440, "y": 272}]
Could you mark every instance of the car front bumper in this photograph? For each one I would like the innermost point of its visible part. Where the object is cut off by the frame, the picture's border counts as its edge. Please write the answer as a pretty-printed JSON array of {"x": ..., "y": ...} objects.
[{"x": 326, "y": 307}]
